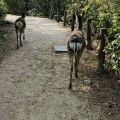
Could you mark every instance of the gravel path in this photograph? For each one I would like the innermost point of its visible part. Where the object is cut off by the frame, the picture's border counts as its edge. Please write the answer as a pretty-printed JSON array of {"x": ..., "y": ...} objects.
[{"x": 34, "y": 79}]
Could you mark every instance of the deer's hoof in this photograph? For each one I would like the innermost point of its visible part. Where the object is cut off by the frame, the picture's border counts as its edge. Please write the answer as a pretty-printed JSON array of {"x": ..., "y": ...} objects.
[
  {"x": 21, "y": 44},
  {"x": 17, "y": 47},
  {"x": 76, "y": 76},
  {"x": 70, "y": 86}
]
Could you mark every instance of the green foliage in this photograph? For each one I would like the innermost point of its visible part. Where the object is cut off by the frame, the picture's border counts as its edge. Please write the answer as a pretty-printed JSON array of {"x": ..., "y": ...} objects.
[
  {"x": 15, "y": 6},
  {"x": 39, "y": 8},
  {"x": 113, "y": 51},
  {"x": 42, "y": 8},
  {"x": 3, "y": 10},
  {"x": 113, "y": 31},
  {"x": 72, "y": 6},
  {"x": 105, "y": 14},
  {"x": 104, "y": 20}
]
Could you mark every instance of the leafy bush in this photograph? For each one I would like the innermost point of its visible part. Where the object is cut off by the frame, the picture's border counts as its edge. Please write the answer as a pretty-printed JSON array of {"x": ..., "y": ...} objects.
[
  {"x": 104, "y": 20},
  {"x": 15, "y": 6},
  {"x": 3, "y": 10},
  {"x": 113, "y": 52},
  {"x": 106, "y": 14},
  {"x": 72, "y": 6}
]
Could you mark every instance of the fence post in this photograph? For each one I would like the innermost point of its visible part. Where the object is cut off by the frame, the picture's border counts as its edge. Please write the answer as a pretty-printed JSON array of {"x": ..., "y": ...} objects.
[
  {"x": 81, "y": 22},
  {"x": 101, "y": 53},
  {"x": 64, "y": 22},
  {"x": 51, "y": 12},
  {"x": 58, "y": 16},
  {"x": 89, "y": 34},
  {"x": 73, "y": 21}
]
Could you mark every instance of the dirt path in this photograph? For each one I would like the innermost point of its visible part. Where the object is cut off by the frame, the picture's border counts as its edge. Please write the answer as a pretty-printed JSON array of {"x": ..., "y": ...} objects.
[{"x": 34, "y": 80}]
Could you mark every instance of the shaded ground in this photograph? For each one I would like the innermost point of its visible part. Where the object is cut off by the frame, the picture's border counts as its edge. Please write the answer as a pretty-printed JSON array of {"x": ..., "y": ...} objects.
[
  {"x": 34, "y": 80},
  {"x": 7, "y": 40}
]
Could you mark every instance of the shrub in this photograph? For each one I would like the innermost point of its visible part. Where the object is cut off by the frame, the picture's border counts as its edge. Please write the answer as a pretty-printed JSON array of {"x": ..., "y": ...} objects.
[
  {"x": 3, "y": 10},
  {"x": 113, "y": 52}
]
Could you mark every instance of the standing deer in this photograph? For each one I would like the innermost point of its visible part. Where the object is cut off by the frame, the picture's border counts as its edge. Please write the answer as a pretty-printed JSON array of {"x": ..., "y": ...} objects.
[
  {"x": 20, "y": 26},
  {"x": 75, "y": 46}
]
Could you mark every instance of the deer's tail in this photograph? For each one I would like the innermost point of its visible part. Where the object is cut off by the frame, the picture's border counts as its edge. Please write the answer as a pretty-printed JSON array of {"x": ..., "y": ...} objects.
[
  {"x": 75, "y": 46},
  {"x": 19, "y": 24}
]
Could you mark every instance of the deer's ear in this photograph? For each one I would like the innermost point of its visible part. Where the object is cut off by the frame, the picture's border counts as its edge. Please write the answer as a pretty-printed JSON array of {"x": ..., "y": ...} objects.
[
  {"x": 76, "y": 12},
  {"x": 83, "y": 13}
]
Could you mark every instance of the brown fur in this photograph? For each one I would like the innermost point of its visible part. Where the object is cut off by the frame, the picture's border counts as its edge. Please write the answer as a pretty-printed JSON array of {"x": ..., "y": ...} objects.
[
  {"x": 20, "y": 30},
  {"x": 71, "y": 53}
]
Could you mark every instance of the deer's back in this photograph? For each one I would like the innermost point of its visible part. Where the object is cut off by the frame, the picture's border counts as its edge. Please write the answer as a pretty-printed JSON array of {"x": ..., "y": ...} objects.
[
  {"x": 20, "y": 23},
  {"x": 76, "y": 37}
]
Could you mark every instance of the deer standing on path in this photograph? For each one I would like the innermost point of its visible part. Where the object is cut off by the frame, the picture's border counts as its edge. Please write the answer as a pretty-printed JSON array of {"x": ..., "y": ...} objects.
[
  {"x": 20, "y": 26},
  {"x": 75, "y": 46}
]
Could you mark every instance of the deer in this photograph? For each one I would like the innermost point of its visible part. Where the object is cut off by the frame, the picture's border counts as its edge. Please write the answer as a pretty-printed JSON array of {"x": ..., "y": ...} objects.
[
  {"x": 75, "y": 46},
  {"x": 20, "y": 25}
]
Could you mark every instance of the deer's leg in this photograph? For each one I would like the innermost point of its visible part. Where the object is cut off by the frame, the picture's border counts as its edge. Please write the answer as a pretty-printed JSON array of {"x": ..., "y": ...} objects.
[
  {"x": 17, "y": 41},
  {"x": 71, "y": 70},
  {"x": 23, "y": 35},
  {"x": 76, "y": 66},
  {"x": 17, "y": 38},
  {"x": 77, "y": 58},
  {"x": 20, "y": 38}
]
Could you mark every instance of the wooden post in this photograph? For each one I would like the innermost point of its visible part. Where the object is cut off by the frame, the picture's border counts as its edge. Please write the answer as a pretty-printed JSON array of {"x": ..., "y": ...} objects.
[
  {"x": 58, "y": 11},
  {"x": 58, "y": 16},
  {"x": 51, "y": 12},
  {"x": 80, "y": 24},
  {"x": 64, "y": 22},
  {"x": 73, "y": 21},
  {"x": 89, "y": 34},
  {"x": 101, "y": 54}
]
